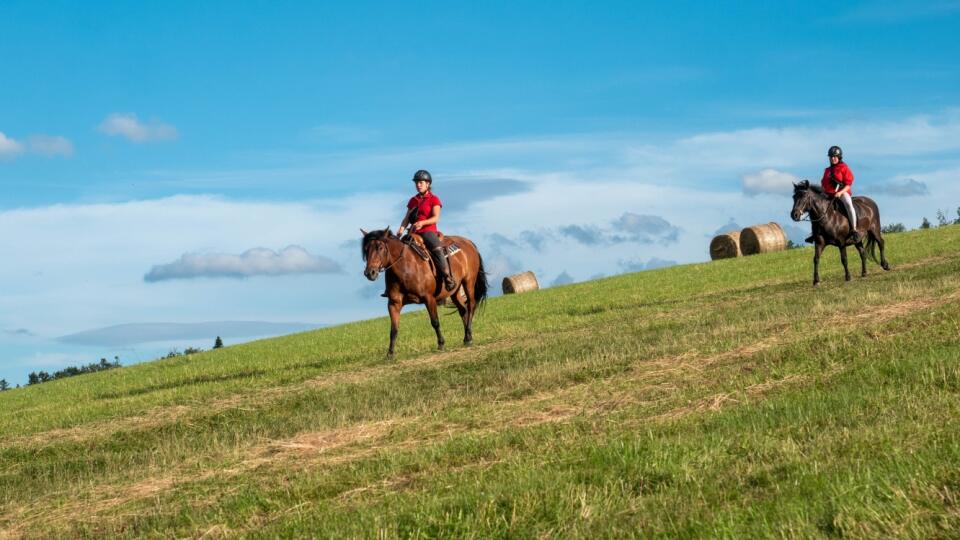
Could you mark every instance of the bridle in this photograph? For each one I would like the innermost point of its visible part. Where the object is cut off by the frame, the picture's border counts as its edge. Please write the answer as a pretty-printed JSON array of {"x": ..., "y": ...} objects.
[
  {"x": 808, "y": 194},
  {"x": 383, "y": 242}
]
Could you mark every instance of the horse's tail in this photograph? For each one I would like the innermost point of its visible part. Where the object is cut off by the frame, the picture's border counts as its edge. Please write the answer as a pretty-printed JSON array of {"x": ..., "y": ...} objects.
[
  {"x": 872, "y": 247},
  {"x": 481, "y": 286},
  {"x": 871, "y": 240}
]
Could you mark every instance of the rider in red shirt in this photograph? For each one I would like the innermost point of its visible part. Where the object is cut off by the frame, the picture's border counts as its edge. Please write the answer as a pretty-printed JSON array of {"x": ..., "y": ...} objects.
[
  {"x": 837, "y": 181},
  {"x": 423, "y": 210}
]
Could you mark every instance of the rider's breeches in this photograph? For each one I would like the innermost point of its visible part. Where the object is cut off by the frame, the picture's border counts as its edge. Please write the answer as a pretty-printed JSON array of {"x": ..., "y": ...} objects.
[
  {"x": 851, "y": 211},
  {"x": 432, "y": 241}
]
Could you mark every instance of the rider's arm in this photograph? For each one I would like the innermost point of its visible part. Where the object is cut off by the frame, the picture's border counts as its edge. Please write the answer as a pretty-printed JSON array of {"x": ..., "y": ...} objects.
[
  {"x": 434, "y": 217},
  {"x": 405, "y": 222}
]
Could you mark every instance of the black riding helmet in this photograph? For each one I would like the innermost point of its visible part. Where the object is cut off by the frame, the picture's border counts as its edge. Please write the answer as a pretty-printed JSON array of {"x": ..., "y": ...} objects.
[
  {"x": 835, "y": 151},
  {"x": 422, "y": 175}
]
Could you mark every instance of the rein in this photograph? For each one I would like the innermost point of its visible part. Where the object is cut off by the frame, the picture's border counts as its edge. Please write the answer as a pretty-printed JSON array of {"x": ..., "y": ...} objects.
[
  {"x": 396, "y": 259},
  {"x": 810, "y": 217}
]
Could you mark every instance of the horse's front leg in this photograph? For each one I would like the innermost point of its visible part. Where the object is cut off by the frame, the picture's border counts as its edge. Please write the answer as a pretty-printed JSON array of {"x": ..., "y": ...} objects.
[
  {"x": 435, "y": 320},
  {"x": 843, "y": 260},
  {"x": 817, "y": 250},
  {"x": 863, "y": 259},
  {"x": 394, "y": 309}
]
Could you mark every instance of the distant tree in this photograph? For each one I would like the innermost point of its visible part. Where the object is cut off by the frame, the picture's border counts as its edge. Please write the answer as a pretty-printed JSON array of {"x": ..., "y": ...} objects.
[
  {"x": 925, "y": 224},
  {"x": 192, "y": 350},
  {"x": 4, "y": 385},
  {"x": 792, "y": 245},
  {"x": 941, "y": 218},
  {"x": 32, "y": 378},
  {"x": 218, "y": 344},
  {"x": 173, "y": 353},
  {"x": 957, "y": 221},
  {"x": 893, "y": 228}
]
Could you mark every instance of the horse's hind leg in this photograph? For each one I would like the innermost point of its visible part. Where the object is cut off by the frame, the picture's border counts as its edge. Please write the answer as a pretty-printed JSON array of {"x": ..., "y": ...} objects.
[
  {"x": 883, "y": 257},
  {"x": 843, "y": 259},
  {"x": 435, "y": 320},
  {"x": 863, "y": 259},
  {"x": 462, "y": 309},
  {"x": 471, "y": 308}
]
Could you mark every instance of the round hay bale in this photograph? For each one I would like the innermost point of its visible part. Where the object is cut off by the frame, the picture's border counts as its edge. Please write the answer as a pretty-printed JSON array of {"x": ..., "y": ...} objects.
[
  {"x": 765, "y": 238},
  {"x": 725, "y": 246},
  {"x": 519, "y": 283}
]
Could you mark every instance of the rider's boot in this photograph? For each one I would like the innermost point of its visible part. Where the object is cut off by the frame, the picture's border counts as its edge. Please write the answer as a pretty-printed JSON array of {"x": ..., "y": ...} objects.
[
  {"x": 809, "y": 239},
  {"x": 855, "y": 235},
  {"x": 444, "y": 270}
]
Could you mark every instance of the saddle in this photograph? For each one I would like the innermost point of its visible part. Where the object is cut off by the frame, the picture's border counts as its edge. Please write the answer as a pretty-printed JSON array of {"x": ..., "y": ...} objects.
[{"x": 415, "y": 242}]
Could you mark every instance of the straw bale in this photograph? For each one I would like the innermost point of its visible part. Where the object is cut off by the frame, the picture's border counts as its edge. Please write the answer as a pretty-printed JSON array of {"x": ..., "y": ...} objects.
[
  {"x": 725, "y": 246},
  {"x": 766, "y": 238},
  {"x": 519, "y": 283}
]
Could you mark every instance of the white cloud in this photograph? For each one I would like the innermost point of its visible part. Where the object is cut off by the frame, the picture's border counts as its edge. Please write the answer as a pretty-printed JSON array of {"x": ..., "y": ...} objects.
[
  {"x": 253, "y": 262},
  {"x": 769, "y": 181},
  {"x": 50, "y": 145},
  {"x": 129, "y": 126},
  {"x": 906, "y": 187},
  {"x": 9, "y": 148},
  {"x": 81, "y": 266}
]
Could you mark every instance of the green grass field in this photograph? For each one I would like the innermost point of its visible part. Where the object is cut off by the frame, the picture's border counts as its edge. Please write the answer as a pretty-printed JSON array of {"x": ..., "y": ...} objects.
[{"x": 725, "y": 399}]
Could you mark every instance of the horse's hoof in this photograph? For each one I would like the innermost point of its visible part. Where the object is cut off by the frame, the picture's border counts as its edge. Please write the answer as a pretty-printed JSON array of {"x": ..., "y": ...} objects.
[
  {"x": 816, "y": 283},
  {"x": 468, "y": 342},
  {"x": 440, "y": 348},
  {"x": 886, "y": 267},
  {"x": 391, "y": 356}
]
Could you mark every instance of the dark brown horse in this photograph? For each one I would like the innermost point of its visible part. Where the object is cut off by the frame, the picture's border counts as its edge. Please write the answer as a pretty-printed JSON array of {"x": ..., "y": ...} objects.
[
  {"x": 831, "y": 226},
  {"x": 411, "y": 280}
]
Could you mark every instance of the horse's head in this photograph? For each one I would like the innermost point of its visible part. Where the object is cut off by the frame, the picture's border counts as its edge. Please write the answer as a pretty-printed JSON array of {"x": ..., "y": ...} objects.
[
  {"x": 801, "y": 199},
  {"x": 376, "y": 253}
]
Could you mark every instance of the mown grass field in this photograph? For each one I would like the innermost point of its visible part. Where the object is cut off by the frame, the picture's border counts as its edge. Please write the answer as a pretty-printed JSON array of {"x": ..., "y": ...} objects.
[{"x": 726, "y": 399}]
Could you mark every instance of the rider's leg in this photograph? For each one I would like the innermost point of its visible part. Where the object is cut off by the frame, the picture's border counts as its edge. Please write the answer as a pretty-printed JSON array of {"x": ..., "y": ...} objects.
[
  {"x": 433, "y": 244},
  {"x": 851, "y": 216}
]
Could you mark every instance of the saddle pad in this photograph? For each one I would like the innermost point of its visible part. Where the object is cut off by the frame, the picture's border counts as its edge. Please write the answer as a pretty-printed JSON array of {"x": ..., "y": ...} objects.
[{"x": 451, "y": 249}]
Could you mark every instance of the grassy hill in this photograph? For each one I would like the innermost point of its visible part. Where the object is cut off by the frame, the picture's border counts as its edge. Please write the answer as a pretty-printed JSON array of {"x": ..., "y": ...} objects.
[{"x": 725, "y": 399}]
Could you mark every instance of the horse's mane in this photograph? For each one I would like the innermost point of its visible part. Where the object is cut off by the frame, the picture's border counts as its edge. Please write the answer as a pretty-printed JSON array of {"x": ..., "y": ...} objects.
[
  {"x": 374, "y": 235},
  {"x": 815, "y": 188}
]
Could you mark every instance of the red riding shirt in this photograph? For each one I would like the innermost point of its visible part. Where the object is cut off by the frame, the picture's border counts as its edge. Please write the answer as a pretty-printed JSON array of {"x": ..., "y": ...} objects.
[
  {"x": 842, "y": 176},
  {"x": 424, "y": 205}
]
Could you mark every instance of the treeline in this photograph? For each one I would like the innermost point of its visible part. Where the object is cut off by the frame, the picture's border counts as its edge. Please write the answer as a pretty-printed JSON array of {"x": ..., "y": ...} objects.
[
  {"x": 42, "y": 376},
  {"x": 942, "y": 220},
  {"x": 174, "y": 353}
]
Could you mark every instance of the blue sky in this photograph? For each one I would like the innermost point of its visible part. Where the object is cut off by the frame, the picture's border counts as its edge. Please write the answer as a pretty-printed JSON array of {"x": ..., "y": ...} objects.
[{"x": 234, "y": 149}]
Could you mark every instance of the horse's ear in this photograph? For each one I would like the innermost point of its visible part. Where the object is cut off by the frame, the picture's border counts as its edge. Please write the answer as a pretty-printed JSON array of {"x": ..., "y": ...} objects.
[{"x": 363, "y": 232}]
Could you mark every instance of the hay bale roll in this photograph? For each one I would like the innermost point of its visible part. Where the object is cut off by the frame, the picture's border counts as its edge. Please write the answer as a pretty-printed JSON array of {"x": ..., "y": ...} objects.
[
  {"x": 519, "y": 283},
  {"x": 725, "y": 246},
  {"x": 765, "y": 238}
]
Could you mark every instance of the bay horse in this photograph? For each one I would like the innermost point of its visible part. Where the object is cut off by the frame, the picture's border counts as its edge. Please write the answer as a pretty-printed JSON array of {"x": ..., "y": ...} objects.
[
  {"x": 411, "y": 280},
  {"x": 831, "y": 226}
]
